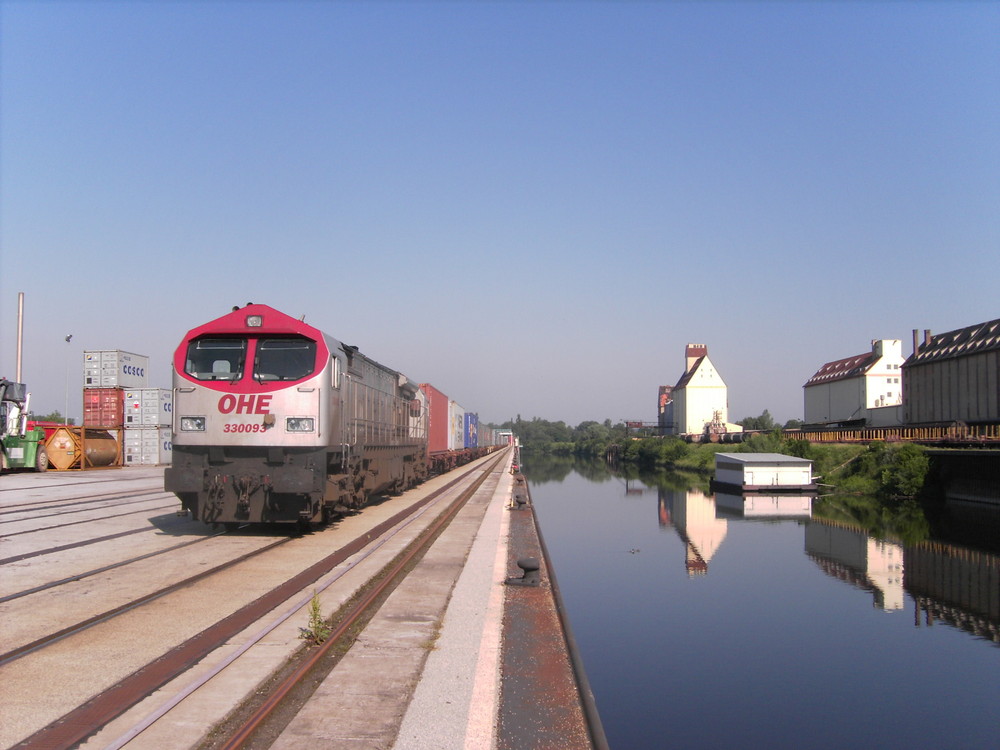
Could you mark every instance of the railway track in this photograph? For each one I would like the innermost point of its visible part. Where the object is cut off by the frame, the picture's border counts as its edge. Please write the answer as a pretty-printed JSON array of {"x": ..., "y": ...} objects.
[
  {"x": 96, "y": 571},
  {"x": 291, "y": 692},
  {"x": 65, "y": 508},
  {"x": 151, "y": 666},
  {"x": 79, "y": 627},
  {"x": 99, "y": 519},
  {"x": 84, "y": 543}
]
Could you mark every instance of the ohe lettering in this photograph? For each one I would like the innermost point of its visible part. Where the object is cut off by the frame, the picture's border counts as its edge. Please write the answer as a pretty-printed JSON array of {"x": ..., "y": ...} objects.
[{"x": 245, "y": 403}]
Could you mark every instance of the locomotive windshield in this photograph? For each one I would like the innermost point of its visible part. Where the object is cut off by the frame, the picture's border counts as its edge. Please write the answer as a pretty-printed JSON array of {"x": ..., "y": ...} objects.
[
  {"x": 284, "y": 359},
  {"x": 216, "y": 359}
]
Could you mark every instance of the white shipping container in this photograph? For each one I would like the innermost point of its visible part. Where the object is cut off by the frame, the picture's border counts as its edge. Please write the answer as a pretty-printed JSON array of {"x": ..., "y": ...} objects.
[
  {"x": 148, "y": 407},
  {"x": 113, "y": 368},
  {"x": 456, "y": 426},
  {"x": 148, "y": 446}
]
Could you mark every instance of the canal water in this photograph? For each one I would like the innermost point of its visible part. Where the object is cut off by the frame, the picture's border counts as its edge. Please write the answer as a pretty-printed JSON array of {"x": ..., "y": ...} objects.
[{"x": 711, "y": 622}]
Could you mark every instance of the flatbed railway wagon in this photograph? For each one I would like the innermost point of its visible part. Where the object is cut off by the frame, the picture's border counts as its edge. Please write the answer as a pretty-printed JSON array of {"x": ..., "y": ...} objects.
[{"x": 275, "y": 421}]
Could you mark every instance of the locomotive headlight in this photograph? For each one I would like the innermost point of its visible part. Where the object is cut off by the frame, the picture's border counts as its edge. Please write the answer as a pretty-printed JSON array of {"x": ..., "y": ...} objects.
[
  {"x": 300, "y": 424},
  {"x": 255, "y": 321},
  {"x": 192, "y": 424}
]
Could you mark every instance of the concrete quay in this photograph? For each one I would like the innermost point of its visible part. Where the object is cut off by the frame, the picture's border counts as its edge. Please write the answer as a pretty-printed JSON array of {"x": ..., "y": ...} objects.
[{"x": 463, "y": 654}]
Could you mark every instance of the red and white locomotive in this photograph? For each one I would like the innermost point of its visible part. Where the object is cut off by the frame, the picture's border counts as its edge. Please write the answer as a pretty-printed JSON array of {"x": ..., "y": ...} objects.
[{"x": 275, "y": 421}]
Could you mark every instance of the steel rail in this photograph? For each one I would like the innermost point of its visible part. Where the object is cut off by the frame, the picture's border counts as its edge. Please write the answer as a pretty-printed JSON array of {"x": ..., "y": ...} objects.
[
  {"x": 54, "y": 473},
  {"x": 389, "y": 580},
  {"x": 56, "y": 504},
  {"x": 96, "y": 571},
  {"x": 88, "y": 520},
  {"x": 90, "y": 622}
]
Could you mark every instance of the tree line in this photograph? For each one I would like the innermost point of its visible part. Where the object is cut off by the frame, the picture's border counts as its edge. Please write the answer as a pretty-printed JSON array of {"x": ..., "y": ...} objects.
[
  {"x": 886, "y": 470},
  {"x": 592, "y": 438}
]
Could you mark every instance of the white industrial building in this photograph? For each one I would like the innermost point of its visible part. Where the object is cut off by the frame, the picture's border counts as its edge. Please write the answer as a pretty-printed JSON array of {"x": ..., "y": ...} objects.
[
  {"x": 866, "y": 389},
  {"x": 693, "y": 516},
  {"x": 853, "y": 556},
  {"x": 700, "y": 400}
]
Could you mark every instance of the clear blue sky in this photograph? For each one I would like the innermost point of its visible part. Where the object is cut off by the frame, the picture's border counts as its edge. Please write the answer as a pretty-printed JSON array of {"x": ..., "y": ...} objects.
[{"x": 533, "y": 206}]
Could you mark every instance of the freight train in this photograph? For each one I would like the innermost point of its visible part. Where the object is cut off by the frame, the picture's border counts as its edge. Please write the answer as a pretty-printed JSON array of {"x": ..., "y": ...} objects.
[{"x": 275, "y": 421}]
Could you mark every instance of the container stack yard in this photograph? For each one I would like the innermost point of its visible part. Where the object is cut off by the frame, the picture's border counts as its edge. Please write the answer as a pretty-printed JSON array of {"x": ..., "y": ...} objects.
[{"x": 118, "y": 404}]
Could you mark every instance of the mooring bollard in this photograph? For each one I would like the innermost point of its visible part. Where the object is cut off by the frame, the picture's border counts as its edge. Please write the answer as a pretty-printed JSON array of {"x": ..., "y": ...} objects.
[
  {"x": 519, "y": 493},
  {"x": 530, "y": 575}
]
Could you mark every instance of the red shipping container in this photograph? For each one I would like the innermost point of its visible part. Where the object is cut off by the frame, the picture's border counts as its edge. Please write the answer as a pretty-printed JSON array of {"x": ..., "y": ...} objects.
[
  {"x": 438, "y": 421},
  {"x": 103, "y": 407}
]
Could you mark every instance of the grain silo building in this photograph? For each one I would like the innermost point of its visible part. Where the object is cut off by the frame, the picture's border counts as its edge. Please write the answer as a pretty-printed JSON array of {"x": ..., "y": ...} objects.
[{"x": 954, "y": 376}]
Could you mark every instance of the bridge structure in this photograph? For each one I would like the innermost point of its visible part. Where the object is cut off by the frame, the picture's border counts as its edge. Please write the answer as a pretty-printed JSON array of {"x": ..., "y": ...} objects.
[
  {"x": 955, "y": 434},
  {"x": 969, "y": 475}
]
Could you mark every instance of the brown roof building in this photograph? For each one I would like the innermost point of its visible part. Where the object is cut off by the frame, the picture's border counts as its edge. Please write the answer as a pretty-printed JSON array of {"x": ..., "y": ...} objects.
[{"x": 850, "y": 390}]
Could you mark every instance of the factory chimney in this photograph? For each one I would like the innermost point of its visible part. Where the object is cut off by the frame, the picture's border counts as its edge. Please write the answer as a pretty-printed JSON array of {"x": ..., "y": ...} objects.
[{"x": 918, "y": 345}]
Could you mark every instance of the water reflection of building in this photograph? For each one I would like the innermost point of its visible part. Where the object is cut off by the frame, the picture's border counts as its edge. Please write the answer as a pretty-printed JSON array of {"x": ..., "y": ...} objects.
[
  {"x": 958, "y": 586},
  {"x": 853, "y": 556},
  {"x": 753, "y": 505},
  {"x": 692, "y": 513}
]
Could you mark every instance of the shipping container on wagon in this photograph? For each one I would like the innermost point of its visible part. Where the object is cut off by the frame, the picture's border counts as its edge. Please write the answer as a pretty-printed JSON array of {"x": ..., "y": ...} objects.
[
  {"x": 437, "y": 418},
  {"x": 471, "y": 430},
  {"x": 113, "y": 368},
  {"x": 456, "y": 433},
  {"x": 104, "y": 407},
  {"x": 148, "y": 407},
  {"x": 149, "y": 446},
  {"x": 417, "y": 423}
]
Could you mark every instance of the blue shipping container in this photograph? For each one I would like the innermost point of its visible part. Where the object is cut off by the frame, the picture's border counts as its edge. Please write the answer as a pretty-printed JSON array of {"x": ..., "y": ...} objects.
[{"x": 471, "y": 430}]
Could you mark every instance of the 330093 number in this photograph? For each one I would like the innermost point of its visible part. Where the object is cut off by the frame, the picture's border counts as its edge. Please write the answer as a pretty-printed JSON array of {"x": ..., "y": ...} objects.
[{"x": 233, "y": 427}]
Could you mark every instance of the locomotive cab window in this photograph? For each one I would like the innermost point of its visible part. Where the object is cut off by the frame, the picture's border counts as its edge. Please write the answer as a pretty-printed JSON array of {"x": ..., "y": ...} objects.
[
  {"x": 284, "y": 359},
  {"x": 216, "y": 359}
]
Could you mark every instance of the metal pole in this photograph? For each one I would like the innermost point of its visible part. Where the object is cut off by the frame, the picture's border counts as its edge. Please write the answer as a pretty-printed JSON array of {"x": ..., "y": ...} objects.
[
  {"x": 66, "y": 367},
  {"x": 20, "y": 328}
]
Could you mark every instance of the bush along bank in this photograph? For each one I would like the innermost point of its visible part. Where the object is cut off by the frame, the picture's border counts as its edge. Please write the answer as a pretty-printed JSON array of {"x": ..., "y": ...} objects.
[{"x": 890, "y": 471}]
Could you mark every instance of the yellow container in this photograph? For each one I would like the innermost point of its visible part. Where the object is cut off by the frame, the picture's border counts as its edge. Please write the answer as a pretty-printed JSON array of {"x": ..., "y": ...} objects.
[{"x": 69, "y": 444}]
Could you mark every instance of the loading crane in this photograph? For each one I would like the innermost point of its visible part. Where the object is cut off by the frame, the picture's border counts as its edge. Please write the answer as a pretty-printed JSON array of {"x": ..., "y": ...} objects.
[{"x": 20, "y": 447}]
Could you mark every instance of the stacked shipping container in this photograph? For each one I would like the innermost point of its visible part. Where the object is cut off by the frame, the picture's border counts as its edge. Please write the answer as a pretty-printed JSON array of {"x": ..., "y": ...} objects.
[
  {"x": 113, "y": 368},
  {"x": 147, "y": 445},
  {"x": 147, "y": 426},
  {"x": 104, "y": 407},
  {"x": 116, "y": 398}
]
